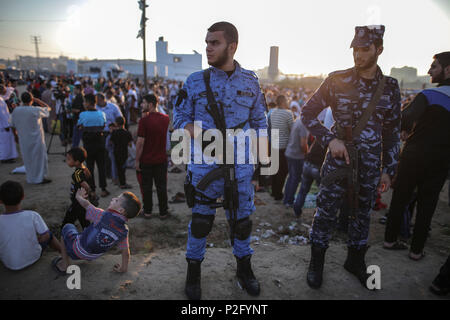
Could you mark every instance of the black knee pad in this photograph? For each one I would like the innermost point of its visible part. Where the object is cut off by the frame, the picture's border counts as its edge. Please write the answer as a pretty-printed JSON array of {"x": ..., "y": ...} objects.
[
  {"x": 201, "y": 225},
  {"x": 243, "y": 229}
]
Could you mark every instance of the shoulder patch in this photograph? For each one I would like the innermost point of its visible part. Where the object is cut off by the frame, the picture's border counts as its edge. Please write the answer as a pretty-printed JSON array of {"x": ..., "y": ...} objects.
[{"x": 250, "y": 73}]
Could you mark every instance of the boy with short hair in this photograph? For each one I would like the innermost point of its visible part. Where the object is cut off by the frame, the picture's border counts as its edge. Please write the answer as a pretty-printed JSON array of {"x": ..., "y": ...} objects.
[
  {"x": 108, "y": 228},
  {"x": 81, "y": 178},
  {"x": 121, "y": 138},
  {"x": 23, "y": 233}
]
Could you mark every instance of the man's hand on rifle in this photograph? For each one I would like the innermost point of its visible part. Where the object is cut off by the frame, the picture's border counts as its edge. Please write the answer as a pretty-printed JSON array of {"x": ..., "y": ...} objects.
[
  {"x": 385, "y": 183},
  {"x": 338, "y": 150}
]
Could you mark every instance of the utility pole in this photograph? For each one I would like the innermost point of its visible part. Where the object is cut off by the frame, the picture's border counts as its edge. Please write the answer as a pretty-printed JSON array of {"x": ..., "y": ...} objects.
[
  {"x": 36, "y": 40},
  {"x": 141, "y": 34}
]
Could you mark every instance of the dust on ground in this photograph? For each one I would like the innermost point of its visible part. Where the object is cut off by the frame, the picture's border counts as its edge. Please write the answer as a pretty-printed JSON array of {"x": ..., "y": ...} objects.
[{"x": 158, "y": 267}]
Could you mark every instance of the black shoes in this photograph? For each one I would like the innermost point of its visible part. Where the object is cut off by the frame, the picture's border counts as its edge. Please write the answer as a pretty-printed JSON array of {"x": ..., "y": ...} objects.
[
  {"x": 356, "y": 264},
  {"x": 193, "y": 289},
  {"x": 440, "y": 285},
  {"x": 246, "y": 278},
  {"x": 315, "y": 270},
  {"x": 244, "y": 274}
]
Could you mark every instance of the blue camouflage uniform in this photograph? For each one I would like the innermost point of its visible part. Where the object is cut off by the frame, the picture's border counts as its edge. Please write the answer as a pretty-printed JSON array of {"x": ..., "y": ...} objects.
[
  {"x": 244, "y": 105},
  {"x": 378, "y": 144}
]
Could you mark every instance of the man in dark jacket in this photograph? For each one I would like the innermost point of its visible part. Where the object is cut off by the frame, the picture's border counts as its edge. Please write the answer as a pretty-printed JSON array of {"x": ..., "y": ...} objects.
[{"x": 424, "y": 161}]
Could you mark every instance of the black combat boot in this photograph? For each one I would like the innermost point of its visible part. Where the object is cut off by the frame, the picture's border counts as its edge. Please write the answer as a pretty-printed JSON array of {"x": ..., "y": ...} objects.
[
  {"x": 246, "y": 277},
  {"x": 315, "y": 270},
  {"x": 441, "y": 284},
  {"x": 356, "y": 264},
  {"x": 192, "y": 288}
]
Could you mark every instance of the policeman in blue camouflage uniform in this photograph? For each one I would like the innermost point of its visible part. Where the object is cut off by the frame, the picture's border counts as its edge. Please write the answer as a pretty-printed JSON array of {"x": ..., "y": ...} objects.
[
  {"x": 237, "y": 90},
  {"x": 349, "y": 94}
]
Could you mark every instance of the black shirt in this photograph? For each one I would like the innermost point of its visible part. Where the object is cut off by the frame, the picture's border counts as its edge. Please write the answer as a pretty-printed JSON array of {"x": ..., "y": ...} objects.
[
  {"x": 80, "y": 175},
  {"x": 429, "y": 127},
  {"x": 121, "y": 138},
  {"x": 78, "y": 103}
]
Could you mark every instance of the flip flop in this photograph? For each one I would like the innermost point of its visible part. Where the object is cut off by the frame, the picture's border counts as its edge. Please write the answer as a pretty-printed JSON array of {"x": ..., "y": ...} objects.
[
  {"x": 398, "y": 245},
  {"x": 55, "y": 266}
]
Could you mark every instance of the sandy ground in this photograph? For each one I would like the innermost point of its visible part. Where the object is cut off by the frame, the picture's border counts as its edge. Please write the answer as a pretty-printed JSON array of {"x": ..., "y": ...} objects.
[{"x": 158, "y": 268}]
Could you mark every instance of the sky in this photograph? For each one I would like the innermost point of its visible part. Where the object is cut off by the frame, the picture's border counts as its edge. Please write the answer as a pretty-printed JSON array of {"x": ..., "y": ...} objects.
[{"x": 313, "y": 36}]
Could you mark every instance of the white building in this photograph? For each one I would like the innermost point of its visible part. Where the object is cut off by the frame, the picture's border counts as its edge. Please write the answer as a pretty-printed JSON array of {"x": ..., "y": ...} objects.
[{"x": 167, "y": 65}]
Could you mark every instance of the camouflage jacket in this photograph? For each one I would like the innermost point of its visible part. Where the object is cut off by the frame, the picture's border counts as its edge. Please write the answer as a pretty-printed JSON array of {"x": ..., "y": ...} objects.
[{"x": 347, "y": 93}]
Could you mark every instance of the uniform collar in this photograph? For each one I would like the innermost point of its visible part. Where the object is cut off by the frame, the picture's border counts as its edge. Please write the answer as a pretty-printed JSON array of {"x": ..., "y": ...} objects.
[
  {"x": 237, "y": 71},
  {"x": 378, "y": 74}
]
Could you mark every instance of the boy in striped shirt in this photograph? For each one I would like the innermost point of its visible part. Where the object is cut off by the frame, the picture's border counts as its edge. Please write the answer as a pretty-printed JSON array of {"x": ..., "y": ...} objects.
[{"x": 108, "y": 228}]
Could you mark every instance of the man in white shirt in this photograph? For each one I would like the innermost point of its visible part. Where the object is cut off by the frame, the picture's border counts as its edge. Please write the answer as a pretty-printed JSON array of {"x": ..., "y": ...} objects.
[
  {"x": 8, "y": 151},
  {"x": 27, "y": 119}
]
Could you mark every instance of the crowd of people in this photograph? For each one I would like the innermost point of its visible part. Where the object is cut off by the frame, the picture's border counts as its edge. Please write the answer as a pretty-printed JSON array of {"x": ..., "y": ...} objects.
[{"x": 101, "y": 113}]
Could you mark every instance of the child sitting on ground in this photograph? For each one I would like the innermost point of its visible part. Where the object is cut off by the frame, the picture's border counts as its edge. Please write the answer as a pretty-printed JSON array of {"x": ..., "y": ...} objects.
[
  {"x": 81, "y": 178},
  {"x": 108, "y": 228},
  {"x": 23, "y": 233}
]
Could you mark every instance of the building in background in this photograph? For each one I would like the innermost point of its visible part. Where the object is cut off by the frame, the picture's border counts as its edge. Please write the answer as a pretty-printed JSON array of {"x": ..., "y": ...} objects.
[
  {"x": 167, "y": 65},
  {"x": 408, "y": 79},
  {"x": 273, "y": 71}
]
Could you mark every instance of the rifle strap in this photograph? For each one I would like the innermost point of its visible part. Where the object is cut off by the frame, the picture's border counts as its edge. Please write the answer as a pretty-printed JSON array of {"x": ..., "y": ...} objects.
[
  {"x": 342, "y": 172},
  {"x": 209, "y": 93},
  {"x": 367, "y": 113}
]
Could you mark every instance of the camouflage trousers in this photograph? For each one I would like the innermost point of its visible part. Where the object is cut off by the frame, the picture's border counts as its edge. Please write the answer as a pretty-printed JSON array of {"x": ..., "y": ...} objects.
[{"x": 330, "y": 199}]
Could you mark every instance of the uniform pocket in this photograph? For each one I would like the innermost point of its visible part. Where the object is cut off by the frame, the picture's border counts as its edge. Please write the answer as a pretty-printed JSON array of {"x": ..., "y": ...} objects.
[{"x": 246, "y": 102}]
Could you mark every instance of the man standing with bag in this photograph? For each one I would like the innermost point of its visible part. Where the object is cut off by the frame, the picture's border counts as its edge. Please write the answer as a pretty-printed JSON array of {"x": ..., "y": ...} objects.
[
  {"x": 225, "y": 95},
  {"x": 366, "y": 107}
]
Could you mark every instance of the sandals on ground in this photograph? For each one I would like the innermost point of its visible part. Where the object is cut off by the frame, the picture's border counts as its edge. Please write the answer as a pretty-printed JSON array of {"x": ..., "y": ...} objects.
[
  {"x": 398, "y": 245},
  {"x": 421, "y": 256},
  {"x": 55, "y": 262}
]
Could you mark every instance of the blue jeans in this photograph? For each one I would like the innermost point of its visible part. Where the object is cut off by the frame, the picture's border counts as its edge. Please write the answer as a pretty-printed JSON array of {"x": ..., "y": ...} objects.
[
  {"x": 76, "y": 137},
  {"x": 310, "y": 173},
  {"x": 295, "y": 168},
  {"x": 69, "y": 234}
]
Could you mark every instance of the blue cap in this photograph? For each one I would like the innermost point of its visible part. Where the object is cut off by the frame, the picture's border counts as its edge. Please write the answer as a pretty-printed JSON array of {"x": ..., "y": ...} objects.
[{"x": 366, "y": 35}]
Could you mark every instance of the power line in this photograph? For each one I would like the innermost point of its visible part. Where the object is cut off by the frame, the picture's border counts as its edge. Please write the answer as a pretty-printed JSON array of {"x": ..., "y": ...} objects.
[
  {"x": 28, "y": 50},
  {"x": 32, "y": 20},
  {"x": 36, "y": 40}
]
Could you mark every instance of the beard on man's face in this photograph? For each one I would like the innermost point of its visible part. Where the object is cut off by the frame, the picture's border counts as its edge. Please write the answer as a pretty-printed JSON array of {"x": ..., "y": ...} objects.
[
  {"x": 369, "y": 63},
  {"x": 439, "y": 78},
  {"x": 221, "y": 60}
]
